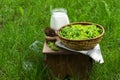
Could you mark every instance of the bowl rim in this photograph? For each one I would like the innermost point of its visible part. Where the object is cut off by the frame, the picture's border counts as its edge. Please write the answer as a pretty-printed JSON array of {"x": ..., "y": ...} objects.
[{"x": 82, "y": 23}]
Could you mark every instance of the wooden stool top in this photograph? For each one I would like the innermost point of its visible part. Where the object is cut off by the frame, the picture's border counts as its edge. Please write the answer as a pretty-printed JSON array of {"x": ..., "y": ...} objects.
[{"x": 48, "y": 50}]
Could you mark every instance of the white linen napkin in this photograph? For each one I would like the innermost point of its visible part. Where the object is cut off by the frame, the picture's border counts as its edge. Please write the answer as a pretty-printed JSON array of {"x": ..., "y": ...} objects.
[{"x": 94, "y": 53}]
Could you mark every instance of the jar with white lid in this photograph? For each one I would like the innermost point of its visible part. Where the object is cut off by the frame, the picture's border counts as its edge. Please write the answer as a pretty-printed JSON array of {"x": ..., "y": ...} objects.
[{"x": 59, "y": 18}]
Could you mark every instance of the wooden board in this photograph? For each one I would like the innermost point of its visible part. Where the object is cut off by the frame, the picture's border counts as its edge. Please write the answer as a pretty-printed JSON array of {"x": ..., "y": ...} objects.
[{"x": 48, "y": 50}]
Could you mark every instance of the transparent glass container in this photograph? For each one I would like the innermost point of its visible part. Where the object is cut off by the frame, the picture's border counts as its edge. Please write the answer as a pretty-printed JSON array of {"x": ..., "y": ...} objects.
[{"x": 59, "y": 18}]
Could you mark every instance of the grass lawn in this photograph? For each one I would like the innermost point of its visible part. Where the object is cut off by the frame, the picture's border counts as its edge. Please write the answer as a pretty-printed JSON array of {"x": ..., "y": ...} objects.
[{"x": 22, "y": 22}]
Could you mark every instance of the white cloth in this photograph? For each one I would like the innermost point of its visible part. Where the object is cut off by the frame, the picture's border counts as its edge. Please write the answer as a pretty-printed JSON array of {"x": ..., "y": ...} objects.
[{"x": 94, "y": 53}]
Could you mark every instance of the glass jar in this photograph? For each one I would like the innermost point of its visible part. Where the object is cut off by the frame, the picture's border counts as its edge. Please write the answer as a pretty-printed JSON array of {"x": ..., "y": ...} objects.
[{"x": 59, "y": 18}]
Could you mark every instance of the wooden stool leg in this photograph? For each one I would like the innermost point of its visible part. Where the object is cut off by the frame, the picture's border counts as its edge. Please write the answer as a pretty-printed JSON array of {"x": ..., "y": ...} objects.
[
  {"x": 77, "y": 65},
  {"x": 56, "y": 64}
]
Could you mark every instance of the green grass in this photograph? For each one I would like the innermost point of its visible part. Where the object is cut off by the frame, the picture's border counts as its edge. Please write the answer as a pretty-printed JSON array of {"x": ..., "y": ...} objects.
[{"x": 23, "y": 21}]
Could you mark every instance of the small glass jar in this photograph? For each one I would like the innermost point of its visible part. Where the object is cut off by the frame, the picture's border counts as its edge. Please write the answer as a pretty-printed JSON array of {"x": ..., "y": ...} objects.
[{"x": 59, "y": 18}]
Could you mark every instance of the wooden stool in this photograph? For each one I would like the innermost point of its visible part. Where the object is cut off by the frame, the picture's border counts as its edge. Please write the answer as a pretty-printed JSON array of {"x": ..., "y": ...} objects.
[{"x": 64, "y": 63}]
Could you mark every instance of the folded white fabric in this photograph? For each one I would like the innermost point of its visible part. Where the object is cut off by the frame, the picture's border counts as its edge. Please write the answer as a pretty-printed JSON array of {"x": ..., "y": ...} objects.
[{"x": 94, "y": 53}]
